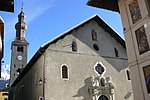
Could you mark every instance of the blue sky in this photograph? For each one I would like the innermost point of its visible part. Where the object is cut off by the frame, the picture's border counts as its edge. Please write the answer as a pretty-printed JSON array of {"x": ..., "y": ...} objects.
[{"x": 47, "y": 19}]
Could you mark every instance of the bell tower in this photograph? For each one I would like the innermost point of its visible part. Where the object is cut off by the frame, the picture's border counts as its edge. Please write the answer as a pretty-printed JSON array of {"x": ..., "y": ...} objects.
[{"x": 19, "y": 48}]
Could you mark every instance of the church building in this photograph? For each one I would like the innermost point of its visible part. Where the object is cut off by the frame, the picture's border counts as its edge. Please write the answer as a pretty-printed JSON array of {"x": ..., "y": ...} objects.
[
  {"x": 19, "y": 48},
  {"x": 87, "y": 62}
]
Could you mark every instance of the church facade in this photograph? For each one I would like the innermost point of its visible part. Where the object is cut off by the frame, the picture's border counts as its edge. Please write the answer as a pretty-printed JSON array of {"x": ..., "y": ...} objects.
[{"x": 87, "y": 62}]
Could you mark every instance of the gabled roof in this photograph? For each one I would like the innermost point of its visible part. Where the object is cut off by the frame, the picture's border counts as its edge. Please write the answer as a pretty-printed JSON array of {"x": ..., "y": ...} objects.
[
  {"x": 42, "y": 49},
  {"x": 105, "y": 4},
  {"x": 100, "y": 22}
]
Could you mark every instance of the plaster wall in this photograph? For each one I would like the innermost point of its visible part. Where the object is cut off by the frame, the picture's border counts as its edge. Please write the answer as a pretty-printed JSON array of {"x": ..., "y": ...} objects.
[
  {"x": 136, "y": 61},
  {"x": 28, "y": 88},
  {"x": 81, "y": 65}
]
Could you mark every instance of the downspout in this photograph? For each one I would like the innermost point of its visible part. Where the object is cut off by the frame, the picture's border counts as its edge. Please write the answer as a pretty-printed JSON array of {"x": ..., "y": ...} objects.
[{"x": 41, "y": 52}]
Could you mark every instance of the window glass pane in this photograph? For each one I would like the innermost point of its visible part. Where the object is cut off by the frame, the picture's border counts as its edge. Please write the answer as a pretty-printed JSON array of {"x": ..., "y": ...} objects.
[
  {"x": 20, "y": 48},
  {"x": 64, "y": 72},
  {"x": 128, "y": 74},
  {"x": 116, "y": 52}
]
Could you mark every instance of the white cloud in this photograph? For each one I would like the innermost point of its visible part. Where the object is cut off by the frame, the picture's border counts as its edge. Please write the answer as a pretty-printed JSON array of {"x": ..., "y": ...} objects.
[
  {"x": 35, "y": 8},
  {"x": 37, "y": 12},
  {"x": 5, "y": 73}
]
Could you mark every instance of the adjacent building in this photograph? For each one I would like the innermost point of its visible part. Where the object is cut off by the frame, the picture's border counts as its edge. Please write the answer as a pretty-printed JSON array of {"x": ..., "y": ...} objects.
[
  {"x": 4, "y": 94},
  {"x": 87, "y": 62},
  {"x": 135, "y": 16},
  {"x": 1, "y": 41},
  {"x": 5, "y": 5}
]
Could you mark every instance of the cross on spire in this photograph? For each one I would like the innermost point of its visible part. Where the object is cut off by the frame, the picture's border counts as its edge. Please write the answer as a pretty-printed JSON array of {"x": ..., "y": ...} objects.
[{"x": 22, "y": 6}]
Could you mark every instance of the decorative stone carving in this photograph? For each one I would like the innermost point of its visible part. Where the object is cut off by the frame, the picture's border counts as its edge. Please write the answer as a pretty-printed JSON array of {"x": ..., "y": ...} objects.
[{"x": 101, "y": 85}]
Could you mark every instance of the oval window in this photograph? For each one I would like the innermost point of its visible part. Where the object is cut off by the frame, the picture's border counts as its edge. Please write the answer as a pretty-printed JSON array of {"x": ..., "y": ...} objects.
[{"x": 95, "y": 47}]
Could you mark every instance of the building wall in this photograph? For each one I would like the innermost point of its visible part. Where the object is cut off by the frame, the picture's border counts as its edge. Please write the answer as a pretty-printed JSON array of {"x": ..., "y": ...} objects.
[
  {"x": 81, "y": 65},
  {"x": 3, "y": 94},
  {"x": 137, "y": 61},
  {"x": 28, "y": 88},
  {"x": 15, "y": 63}
]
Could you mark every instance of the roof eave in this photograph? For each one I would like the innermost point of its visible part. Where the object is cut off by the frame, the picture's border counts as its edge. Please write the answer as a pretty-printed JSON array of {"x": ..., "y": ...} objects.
[
  {"x": 105, "y": 4},
  {"x": 7, "y": 5},
  {"x": 2, "y": 37}
]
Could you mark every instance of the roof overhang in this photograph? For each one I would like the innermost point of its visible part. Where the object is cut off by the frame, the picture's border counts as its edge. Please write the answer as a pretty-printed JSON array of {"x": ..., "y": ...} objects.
[
  {"x": 105, "y": 4},
  {"x": 1, "y": 37},
  {"x": 7, "y": 5}
]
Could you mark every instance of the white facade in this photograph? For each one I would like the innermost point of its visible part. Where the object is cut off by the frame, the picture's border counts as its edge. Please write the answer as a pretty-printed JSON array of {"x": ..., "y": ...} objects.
[{"x": 137, "y": 42}]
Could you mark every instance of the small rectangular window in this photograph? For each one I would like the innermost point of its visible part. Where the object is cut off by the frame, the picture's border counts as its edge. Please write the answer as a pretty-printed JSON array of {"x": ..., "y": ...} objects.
[
  {"x": 116, "y": 52},
  {"x": 5, "y": 94},
  {"x": 94, "y": 35},
  {"x": 128, "y": 74}
]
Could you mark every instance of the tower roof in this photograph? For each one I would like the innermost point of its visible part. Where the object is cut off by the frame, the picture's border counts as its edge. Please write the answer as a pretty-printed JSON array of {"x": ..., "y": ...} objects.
[{"x": 21, "y": 26}]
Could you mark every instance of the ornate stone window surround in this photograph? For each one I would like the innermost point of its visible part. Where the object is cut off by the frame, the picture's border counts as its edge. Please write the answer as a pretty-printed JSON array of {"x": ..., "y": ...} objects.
[{"x": 102, "y": 66}]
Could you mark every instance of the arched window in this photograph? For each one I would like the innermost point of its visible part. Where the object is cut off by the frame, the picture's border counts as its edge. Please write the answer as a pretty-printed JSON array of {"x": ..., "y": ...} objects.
[
  {"x": 128, "y": 74},
  {"x": 116, "y": 52},
  {"x": 94, "y": 35},
  {"x": 20, "y": 48},
  {"x": 74, "y": 46},
  {"x": 64, "y": 72}
]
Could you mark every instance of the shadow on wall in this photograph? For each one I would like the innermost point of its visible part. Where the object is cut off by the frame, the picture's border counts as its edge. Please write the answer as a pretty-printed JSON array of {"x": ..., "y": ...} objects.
[
  {"x": 119, "y": 63},
  {"x": 128, "y": 95},
  {"x": 83, "y": 91}
]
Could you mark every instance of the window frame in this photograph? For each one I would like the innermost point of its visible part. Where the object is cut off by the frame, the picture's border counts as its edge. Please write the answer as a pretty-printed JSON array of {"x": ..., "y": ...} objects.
[
  {"x": 64, "y": 78},
  {"x": 94, "y": 35},
  {"x": 116, "y": 52},
  {"x": 128, "y": 74},
  {"x": 20, "y": 48},
  {"x": 101, "y": 66},
  {"x": 74, "y": 46}
]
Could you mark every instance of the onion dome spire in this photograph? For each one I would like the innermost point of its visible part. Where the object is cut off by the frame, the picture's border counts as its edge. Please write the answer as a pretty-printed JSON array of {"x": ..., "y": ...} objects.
[{"x": 21, "y": 26}]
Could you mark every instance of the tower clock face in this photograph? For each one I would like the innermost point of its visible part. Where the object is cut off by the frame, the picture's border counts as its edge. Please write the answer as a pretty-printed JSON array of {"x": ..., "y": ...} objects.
[{"x": 19, "y": 57}]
